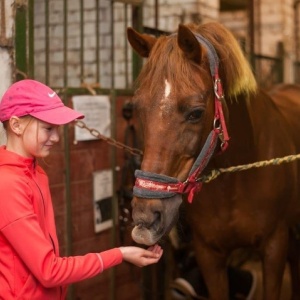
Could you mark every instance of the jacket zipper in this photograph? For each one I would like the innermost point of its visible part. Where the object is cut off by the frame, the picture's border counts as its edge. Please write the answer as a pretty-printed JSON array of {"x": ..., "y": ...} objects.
[{"x": 52, "y": 242}]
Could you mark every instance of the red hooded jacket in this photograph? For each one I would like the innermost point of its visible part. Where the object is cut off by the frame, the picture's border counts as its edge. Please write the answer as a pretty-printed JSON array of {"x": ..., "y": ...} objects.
[{"x": 30, "y": 265}]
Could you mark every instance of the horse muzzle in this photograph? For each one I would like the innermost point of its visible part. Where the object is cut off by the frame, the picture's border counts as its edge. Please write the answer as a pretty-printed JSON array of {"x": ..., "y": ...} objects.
[{"x": 153, "y": 218}]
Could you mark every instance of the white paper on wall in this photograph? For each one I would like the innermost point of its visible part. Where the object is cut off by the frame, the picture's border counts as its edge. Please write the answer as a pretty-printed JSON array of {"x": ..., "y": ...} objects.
[
  {"x": 96, "y": 110},
  {"x": 102, "y": 188}
]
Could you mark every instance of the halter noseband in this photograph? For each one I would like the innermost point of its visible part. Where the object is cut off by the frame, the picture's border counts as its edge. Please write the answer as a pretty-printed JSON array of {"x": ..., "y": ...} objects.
[{"x": 151, "y": 185}]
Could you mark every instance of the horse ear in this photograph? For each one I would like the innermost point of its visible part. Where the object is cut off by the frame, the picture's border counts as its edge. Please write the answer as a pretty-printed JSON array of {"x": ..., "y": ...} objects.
[
  {"x": 188, "y": 43},
  {"x": 141, "y": 43}
]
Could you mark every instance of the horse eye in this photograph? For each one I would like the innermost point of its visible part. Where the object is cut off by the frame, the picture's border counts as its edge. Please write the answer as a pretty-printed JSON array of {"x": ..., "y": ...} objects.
[{"x": 195, "y": 115}]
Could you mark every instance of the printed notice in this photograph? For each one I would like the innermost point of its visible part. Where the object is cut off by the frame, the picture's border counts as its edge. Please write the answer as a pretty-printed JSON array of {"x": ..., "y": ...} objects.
[
  {"x": 96, "y": 110},
  {"x": 102, "y": 181}
]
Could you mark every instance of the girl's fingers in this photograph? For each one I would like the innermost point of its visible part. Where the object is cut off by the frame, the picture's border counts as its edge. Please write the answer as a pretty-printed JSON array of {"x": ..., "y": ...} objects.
[
  {"x": 155, "y": 248},
  {"x": 154, "y": 251}
]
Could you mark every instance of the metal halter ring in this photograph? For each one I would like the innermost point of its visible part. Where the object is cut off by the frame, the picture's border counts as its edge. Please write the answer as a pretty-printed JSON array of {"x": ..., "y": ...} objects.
[
  {"x": 217, "y": 124},
  {"x": 216, "y": 89}
]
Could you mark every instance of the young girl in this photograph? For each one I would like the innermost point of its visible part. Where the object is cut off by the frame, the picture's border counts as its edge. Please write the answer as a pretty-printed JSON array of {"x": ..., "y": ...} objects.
[{"x": 30, "y": 265}]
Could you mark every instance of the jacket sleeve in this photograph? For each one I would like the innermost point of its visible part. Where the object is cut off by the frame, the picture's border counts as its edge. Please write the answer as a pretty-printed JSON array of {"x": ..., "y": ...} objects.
[{"x": 29, "y": 242}]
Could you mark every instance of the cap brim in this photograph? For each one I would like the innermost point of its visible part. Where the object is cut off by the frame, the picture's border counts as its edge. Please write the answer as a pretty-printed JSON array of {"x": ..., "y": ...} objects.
[{"x": 58, "y": 116}]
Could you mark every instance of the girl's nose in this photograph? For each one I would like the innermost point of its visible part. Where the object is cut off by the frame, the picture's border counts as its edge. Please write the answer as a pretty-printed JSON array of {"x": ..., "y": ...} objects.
[{"x": 55, "y": 135}]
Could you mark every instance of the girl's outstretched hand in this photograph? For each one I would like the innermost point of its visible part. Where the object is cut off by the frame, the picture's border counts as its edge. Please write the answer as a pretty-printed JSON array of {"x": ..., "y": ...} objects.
[{"x": 142, "y": 257}]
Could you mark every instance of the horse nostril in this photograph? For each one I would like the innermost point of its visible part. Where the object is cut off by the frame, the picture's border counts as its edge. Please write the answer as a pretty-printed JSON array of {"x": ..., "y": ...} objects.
[
  {"x": 156, "y": 220},
  {"x": 157, "y": 215}
]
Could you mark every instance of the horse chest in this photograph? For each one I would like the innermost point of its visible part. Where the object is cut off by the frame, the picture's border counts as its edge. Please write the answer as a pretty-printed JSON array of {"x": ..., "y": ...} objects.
[{"x": 227, "y": 228}]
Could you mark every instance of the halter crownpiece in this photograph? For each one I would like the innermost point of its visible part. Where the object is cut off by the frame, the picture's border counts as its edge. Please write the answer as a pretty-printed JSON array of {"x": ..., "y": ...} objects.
[{"x": 151, "y": 185}]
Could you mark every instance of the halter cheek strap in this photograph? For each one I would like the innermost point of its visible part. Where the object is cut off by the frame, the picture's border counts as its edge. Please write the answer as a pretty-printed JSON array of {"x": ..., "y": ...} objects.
[{"x": 151, "y": 185}]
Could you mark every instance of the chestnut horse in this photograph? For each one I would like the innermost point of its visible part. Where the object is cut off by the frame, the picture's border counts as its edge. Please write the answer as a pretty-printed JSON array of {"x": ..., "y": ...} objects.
[{"x": 196, "y": 95}]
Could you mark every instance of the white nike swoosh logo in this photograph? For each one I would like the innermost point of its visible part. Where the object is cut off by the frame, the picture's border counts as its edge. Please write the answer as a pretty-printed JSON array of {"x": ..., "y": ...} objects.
[{"x": 51, "y": 95}]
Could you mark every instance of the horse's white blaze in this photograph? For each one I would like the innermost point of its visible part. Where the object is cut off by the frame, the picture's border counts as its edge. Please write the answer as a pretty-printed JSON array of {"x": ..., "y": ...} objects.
[
  {"x": 167, "y": 89},
  {"x": 165, "y": 101}
]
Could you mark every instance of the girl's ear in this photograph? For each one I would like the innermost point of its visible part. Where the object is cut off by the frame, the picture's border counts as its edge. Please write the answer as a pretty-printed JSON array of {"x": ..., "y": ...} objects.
[{"x": 15, "y": 125}]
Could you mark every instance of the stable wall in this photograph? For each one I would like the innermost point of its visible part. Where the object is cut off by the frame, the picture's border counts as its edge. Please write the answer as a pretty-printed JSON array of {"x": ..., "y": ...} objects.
[
  {"x": 274, "y": 23},
  {"x": 6, "y": 59}
]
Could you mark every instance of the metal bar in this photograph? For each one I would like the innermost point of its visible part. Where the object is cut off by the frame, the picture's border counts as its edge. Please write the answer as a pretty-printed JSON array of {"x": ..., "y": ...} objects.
[
  {"x": 279, "y": 64},
  {"x": 3, "y": 20},
  {"x": 296, "y": 39},
  {"x": 47, "y": 62},
  {"x": 68, "y": 224},
  {"x": 156, "y": 13},
  {"x": 21, "y": 42},
  {"x": 81, "y": 41},
  {"x": 260, "y": 56},
  {"x": 154, "y": 31},
  {"x": 251, "y": 33},
  {"x": 297, "y": 28},
  {"x": 97, "y": 42},
  {"x": 257, "y": 24},
  {"x": 82, "y": 91},
  {"x": 31, "y": 38},
  {"x": 137, "y": 23},
  {"x": 4, "y": 41},
  {"x": 126, "y": 46},
  {"x": 112, "y": 69},
  {"x": 113, "y": 153}
]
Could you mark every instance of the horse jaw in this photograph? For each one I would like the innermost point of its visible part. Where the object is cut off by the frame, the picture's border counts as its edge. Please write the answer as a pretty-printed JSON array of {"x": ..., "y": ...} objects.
[{"x": 154, "y": 221}]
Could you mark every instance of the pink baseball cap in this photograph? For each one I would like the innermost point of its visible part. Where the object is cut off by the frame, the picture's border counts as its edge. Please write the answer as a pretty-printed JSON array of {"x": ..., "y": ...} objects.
[{"x": 30, "y": 97}]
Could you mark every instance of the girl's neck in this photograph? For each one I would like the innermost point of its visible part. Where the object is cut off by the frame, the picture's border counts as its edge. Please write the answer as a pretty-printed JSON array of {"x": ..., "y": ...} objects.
[{"x": 14, "y": 144}]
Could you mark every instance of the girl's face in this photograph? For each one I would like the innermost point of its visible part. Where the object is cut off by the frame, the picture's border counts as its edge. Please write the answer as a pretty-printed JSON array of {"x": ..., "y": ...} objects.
[{"x": 38, "y": 138}]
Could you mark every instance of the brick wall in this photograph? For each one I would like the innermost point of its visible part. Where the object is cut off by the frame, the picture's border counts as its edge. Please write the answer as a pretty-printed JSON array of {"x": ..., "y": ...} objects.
[
  {"x": 273, "y": 24},
  {"x": 171, "y": 13},
  {"x": 6, "y": 59},
  {"x": 89, "y": 47}
]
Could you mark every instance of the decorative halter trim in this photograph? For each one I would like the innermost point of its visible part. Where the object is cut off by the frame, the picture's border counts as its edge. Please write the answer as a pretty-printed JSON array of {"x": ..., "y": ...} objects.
[{"x": 158, "y": 186}]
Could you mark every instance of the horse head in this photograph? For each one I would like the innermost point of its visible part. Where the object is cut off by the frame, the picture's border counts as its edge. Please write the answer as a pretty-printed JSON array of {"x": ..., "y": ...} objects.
[{"x": 180, "y": 100}]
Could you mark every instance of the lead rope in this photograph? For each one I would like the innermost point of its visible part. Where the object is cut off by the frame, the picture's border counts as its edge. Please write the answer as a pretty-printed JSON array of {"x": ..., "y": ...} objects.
[
  {"x": 213, "y": 174},
  {"x": 271, "y": 162}
]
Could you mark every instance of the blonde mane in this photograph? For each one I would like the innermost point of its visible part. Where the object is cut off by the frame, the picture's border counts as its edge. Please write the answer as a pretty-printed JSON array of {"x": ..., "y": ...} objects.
[{"x": 235, "y": 69}]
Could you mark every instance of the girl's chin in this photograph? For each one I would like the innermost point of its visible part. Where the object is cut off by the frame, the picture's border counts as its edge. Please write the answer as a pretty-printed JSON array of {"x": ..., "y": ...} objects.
[{"x": 43, "y": 153}]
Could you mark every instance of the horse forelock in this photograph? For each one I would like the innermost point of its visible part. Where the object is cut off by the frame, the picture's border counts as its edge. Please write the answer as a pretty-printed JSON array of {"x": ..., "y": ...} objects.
[{"x": 166, "y": 61}]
